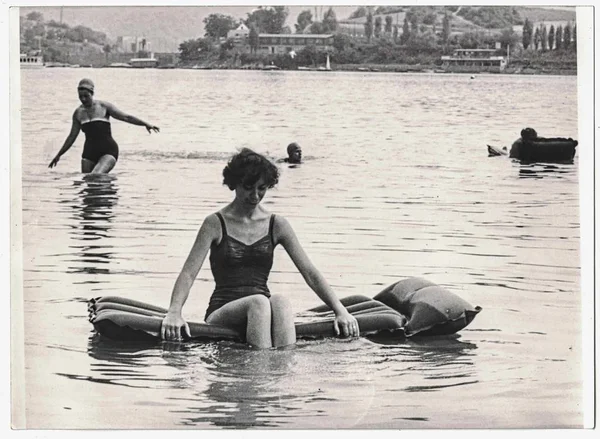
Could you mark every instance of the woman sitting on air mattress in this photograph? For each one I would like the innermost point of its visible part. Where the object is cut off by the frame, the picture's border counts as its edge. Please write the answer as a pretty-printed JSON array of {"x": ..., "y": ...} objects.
[{"x": 241, "y": 238}]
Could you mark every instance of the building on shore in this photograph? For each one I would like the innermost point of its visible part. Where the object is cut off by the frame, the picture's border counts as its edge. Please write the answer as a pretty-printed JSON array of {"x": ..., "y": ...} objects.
[
  {"x": 143, "y": 60},
  {"x": 474, "y": 61},
  {"x": 280, "y": 43},
  {"x": 239, "y": 35},
  {"x": 132, "y": 44},
  {"x": 286, "y": 43}
]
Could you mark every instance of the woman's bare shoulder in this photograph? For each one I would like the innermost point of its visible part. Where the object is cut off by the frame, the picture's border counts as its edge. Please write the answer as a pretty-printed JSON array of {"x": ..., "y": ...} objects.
[
  {"x": 281, "y": 226},
  {"x": 77, "y": 112},
  {"x": 212, "y": 221},
  {"x": 103, "y": 104}
]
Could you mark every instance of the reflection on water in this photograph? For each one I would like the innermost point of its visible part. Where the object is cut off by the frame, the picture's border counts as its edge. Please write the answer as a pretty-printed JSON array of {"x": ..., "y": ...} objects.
[
  {"x": 129, "y": 354},
  {"x": 121, "y": 363},
  {"x": 440, "y": 362},
  {"x": 243, "y": 387},
  {"x": 232, "y": 386},
  {"x": 546, "y": 170},
  {"x": 239, "y": 388},
  {"x": 93, "y": 211}
]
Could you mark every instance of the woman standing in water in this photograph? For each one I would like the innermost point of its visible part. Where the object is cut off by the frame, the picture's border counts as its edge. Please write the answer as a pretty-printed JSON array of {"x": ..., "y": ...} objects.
[
  {"x": 241, "y": 238},
  {"x": 100, "y": 151}
]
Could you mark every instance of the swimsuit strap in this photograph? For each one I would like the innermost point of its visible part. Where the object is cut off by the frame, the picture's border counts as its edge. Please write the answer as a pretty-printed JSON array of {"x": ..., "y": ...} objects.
[
  {"x": 271, "y": 224},
  {"x": 223, "y": 227}
]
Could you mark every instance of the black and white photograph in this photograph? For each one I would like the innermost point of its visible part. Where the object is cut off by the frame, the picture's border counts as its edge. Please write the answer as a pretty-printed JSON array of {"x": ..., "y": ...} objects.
[{"x": 301, "y": 216}]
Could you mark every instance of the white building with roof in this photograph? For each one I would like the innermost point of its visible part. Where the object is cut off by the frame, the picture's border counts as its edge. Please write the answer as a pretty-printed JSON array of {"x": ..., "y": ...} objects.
[
  {"x": 239, "y": 34},
  {"x": 285, "y": 43}
]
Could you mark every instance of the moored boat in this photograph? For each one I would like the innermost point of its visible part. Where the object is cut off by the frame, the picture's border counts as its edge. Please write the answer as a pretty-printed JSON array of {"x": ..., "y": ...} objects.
[
  {"x": 31, "y": 61},
  {"x": 119, "y": 65}
]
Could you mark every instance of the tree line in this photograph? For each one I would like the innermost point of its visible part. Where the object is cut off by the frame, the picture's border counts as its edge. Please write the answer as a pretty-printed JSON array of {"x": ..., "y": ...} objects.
[
  {"x": 36, "y": 33},
  {"x": 383, "y": 41},
  {"x": 541, "y": 38}
]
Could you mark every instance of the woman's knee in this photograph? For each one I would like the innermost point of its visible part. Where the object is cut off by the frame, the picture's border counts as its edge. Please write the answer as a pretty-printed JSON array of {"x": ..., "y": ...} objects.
[
  {"x": 281, "y": 303},
  {"x": 259, "y": 305},
  {"x": 283, "y": 328}
]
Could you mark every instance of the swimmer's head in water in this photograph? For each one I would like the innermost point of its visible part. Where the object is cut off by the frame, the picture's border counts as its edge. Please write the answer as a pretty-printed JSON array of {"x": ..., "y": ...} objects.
[
  {"x": 294, "y": 153},
  {"x": 528, "y": 134},
  {"x": 247, "y": 167}
]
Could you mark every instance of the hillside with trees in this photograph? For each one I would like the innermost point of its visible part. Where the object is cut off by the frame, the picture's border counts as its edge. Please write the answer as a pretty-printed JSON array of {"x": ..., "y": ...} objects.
[
  {"x": 378, "y": 38},
  {"x": 58, "y": 42},
  {"x": 400, "y": 38},
  {"x": 211, "y": 48}
]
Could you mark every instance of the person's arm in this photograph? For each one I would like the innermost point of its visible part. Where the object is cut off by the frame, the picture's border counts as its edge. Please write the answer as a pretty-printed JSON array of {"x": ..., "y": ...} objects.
[
  {"x": 75, "y": 128},
  {"x": 120, "y": 115},
  {"x": 173, "y": 321},
  {"x": 314, "y": 279}
]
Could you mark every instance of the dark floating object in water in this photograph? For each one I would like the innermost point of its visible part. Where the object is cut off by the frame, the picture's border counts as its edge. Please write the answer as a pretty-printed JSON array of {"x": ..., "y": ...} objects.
[{"x": 530, "y": 148}]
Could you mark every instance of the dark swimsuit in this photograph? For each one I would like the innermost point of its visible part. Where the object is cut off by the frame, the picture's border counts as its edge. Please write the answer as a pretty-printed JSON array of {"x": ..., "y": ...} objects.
[
  {"x": 240, "y": 269},
  {"x": 98, "y": 140}
]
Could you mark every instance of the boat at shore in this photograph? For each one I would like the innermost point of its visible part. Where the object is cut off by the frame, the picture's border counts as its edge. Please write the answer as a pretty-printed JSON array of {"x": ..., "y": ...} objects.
[
  {"x": 31, "y": 61},
  {"x": 270, "y": 67},
  {"x": 119, "y": 65},
  {"x": 143, "y": 63}
]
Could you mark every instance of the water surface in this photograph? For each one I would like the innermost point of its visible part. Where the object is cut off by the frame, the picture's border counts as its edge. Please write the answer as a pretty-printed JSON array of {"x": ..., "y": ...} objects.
[{"x": 396, "y": 183}]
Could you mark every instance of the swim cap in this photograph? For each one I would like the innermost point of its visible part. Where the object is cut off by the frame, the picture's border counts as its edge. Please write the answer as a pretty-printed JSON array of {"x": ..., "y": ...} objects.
[
  {"x": 86, "y": 84},
  {"x": 292, "y": 147}
]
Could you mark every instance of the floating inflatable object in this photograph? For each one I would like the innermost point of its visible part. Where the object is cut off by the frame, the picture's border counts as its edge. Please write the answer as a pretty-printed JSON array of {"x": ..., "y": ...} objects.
[
  {"x": 429, "y": 308},
  {"x": 555, "y": 150},
  {"x": 531, "y": 148},
  {"x": 404, "y": 309}
]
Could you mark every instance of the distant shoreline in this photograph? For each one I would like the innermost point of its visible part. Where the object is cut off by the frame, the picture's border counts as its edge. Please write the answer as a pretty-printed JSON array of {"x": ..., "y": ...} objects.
[
  {"x": 391, "y": 68},
  {"x": 359, "y": 68}
]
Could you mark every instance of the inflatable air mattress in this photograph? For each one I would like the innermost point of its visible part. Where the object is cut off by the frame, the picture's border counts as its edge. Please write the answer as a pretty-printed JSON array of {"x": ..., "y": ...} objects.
[
  {"x": 554, "y": 150},
  {"x": 406, "y": 308}
]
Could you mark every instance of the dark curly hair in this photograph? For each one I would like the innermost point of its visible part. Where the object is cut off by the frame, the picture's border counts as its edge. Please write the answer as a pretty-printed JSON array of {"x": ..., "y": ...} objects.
[
  {"x": 528, "y": 134},
  {"x": 247, "y": 167}
]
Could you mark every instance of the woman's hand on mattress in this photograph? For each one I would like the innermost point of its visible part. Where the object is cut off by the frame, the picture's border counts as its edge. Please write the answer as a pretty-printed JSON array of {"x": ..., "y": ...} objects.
[
  {"x": 346, "y": 324},
  {"x": 171, "y": 327}
]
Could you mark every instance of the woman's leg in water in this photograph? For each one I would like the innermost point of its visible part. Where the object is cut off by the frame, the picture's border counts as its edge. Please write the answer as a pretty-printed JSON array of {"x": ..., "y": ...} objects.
[
  {"x": 105, "y": 164},
  {"x": 254, "y": 312},
  {"x": 283, "y": 330},
  {"x": 87, "y": 166}
]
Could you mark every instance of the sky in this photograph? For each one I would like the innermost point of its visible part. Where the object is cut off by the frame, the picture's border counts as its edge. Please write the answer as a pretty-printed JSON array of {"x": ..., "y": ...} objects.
[{"x": 164, "y": 26}]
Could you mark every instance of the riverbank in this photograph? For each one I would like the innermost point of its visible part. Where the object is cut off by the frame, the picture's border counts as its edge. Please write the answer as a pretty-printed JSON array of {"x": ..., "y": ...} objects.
[{"x": 523, "y": 67}]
